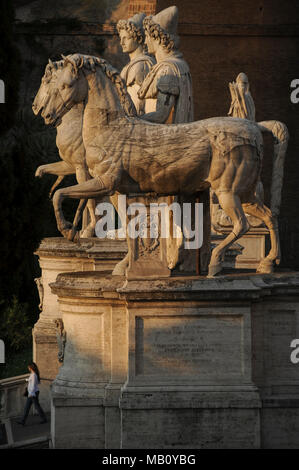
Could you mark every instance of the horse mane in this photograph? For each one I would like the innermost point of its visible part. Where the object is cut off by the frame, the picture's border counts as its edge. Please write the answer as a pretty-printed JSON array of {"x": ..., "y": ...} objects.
[
  {"x": 90, "y": 63},
  {"x": 50, "y": 67}
]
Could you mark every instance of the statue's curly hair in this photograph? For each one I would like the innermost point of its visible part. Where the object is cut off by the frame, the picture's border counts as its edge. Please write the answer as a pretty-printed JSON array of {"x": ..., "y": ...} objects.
[
  {"x": 167, "y": 41},
  {"x": 136, "y": 33}
]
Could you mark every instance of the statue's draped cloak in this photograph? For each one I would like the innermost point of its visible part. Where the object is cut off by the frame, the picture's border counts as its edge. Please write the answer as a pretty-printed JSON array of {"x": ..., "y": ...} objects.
[
  {"x": 133, "y": 74},
  {"x": 137, "y": 69},
  {"x": 171, "y": 76}
]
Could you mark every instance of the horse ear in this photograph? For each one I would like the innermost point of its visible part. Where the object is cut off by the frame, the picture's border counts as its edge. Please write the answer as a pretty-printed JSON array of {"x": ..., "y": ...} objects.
[
  {"x": 81, "y": 62},
  {"x": 66, "y": 60},
  {"x": 51, "y": 63}
]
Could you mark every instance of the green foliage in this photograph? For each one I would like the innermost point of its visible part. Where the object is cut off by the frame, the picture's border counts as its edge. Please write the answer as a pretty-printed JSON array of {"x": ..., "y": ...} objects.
[
  {"x": 16, "y": 363},
  {"x": 15, "y": 327}
]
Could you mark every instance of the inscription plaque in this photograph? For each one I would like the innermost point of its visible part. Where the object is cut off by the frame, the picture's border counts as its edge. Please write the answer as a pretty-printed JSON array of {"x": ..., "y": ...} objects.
[{"x": 203, "y": 347}]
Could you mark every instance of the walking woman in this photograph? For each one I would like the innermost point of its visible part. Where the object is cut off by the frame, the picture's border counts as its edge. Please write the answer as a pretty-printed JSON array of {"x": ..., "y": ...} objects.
[{"x": 33, "y": 393}]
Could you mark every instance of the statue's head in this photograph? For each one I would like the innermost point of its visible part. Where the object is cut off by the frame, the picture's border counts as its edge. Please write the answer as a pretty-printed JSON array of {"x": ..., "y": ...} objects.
[
  {"x": 161, "y": 30},
  {"x": 242, "y": 82},
  {"x": 131, "y": 33}
]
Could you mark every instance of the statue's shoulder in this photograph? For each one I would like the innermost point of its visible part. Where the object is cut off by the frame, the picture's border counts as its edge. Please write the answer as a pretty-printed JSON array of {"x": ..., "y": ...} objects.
[
  {"x": 136, "y": 70},
  {"x": 163, "y": 77},
  {"x": 167, "y": 79}
]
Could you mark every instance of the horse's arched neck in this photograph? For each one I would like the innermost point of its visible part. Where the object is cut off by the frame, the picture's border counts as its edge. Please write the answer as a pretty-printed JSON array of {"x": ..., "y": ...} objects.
[
  {"x": 74, "y": 116},
  {"x": 102, "y": 101}
]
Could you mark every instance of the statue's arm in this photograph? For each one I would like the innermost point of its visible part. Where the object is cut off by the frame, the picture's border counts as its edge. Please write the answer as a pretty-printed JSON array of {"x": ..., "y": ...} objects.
[
  {"x": 165, "y": 103},
  {"x": 140, "y": 71}
]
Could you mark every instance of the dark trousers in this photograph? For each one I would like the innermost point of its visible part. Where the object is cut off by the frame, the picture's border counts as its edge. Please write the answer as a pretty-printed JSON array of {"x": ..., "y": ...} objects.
[{"x": 39, "y": 409}]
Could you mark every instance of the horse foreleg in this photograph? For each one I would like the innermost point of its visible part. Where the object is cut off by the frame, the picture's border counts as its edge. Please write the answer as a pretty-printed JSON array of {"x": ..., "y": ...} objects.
[
  {"x": 88, "y": 227},
  {"x": 58, "y": 168},
  {"x": 263, "y": 213},
  {"x": 91, "y": 189},
  {"x": 232, "y": 206}
]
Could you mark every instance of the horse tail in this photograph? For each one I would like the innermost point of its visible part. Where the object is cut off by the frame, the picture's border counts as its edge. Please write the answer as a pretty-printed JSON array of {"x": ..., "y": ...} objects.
[{"x": 281, "y": 138}]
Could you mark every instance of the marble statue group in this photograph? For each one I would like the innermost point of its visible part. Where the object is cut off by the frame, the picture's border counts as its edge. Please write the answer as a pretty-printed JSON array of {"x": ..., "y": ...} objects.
[{"x": 133, "y": 132}]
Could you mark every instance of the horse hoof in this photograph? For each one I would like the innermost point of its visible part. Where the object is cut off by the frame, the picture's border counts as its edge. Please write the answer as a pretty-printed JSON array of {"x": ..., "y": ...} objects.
[
  {"x": 70, "y": 234},
  {"x": 39, "y": 173},
  {"x": 265, "y": 267},
  {"x": 214, "y": 269},
  {"x": 87, "y": 233},
  {"x": 120, "y": 268},
  {"x": 76, "y": 237}
]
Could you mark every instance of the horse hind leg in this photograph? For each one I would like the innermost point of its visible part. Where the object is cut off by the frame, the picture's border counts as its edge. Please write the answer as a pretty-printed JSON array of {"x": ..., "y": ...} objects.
[
  {"x": 231, "y": 204},
  {"x": 263, "y": 213}
]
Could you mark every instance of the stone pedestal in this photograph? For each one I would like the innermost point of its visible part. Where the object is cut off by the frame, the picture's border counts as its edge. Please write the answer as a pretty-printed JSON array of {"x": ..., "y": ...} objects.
[
  {"x": 147, "y": 251},
  {"x": 161, "y": 247},
  {"x": 95, "y": 357},
  {"x": 190, "y": 366},
  {"x": 251, "y": 246},
  {"x": 57, "y": 255},
  {"x": 177, "y": 363}
]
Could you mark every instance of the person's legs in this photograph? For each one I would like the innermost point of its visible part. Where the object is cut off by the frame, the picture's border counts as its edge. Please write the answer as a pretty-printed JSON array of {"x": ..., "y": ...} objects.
[
  {"x": 39, "y": 408},
  {"x": 26, "y": 410}
]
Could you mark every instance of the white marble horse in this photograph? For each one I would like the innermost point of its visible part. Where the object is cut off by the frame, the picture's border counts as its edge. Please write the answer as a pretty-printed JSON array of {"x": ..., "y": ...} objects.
[
  {"x": 129, "y": 155},
  {"x": 69, "y": 142}
]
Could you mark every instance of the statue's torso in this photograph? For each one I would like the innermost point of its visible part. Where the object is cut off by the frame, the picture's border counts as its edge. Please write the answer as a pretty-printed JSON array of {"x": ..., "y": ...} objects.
[
  {"x": 171, "y": 76},
  {"x": 134, "y": 74}
]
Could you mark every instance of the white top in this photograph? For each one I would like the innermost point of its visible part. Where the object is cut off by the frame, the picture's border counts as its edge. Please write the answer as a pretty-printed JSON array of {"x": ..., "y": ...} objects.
[{"x": 32, "y": 384}]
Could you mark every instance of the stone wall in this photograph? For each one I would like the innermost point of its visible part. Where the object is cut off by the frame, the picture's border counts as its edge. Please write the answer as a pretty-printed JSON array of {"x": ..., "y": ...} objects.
[{"x": 148, "y": 6}]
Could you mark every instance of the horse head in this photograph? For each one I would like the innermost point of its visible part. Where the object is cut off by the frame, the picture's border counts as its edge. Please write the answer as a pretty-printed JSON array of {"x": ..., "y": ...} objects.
[
  {"x": 79, "y": 74},
  {"x": 69, "y": 88},
  {"x": 48, "y": 80}
]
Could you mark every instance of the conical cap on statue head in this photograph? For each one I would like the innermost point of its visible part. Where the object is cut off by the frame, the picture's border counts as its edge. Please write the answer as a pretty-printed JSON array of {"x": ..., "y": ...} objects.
[
  {"x": 168, "y": 20},
  {"x": 137, "y": 20}
]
